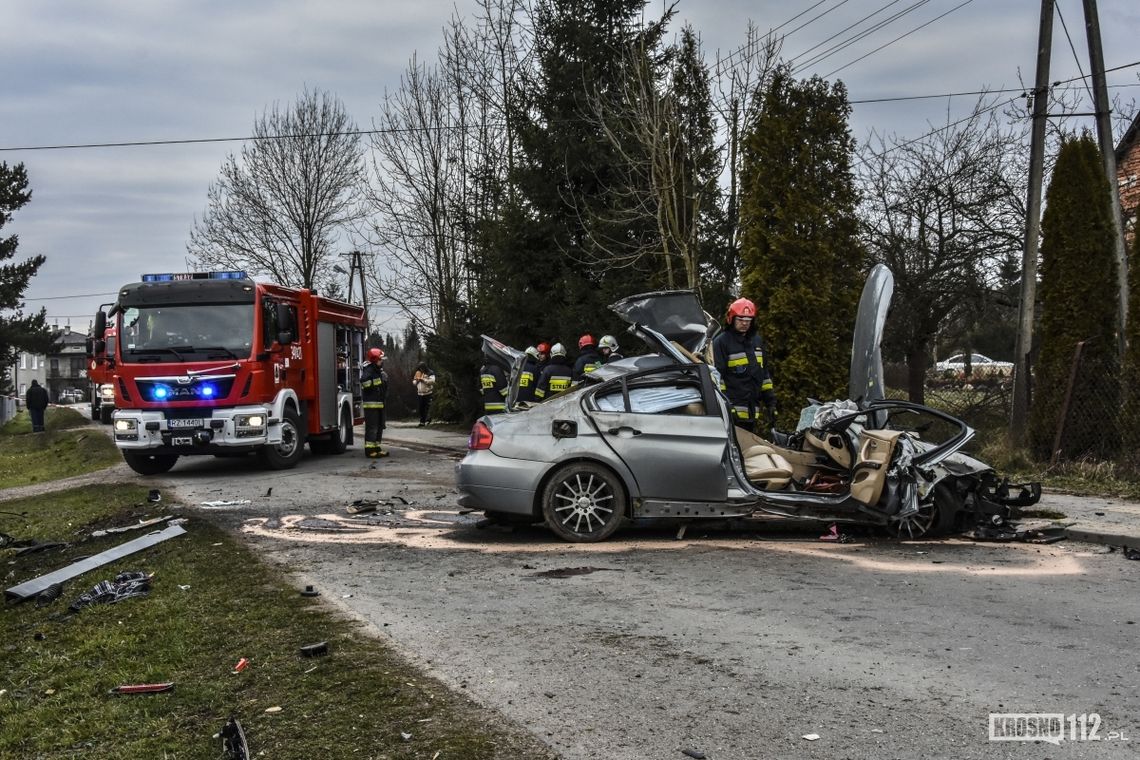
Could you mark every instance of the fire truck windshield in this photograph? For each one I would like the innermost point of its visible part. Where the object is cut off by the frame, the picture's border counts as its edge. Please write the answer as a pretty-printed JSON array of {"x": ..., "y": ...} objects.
[{"x": 186, "y": 333}]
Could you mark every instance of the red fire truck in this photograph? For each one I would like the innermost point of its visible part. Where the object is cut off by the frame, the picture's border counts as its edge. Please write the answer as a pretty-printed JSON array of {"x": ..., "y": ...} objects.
[{"x": 215, "y": 363}]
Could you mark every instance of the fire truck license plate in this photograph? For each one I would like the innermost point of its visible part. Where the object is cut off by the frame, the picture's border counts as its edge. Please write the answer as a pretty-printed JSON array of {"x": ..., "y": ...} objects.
[
  {"x": 194, "y": 423},
  {"x": 186, "y": 441}
]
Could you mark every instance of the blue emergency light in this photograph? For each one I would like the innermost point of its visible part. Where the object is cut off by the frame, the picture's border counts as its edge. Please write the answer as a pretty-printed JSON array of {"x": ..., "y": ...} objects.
[
  {"x": 175, "y": 276},
  {"x": 161, "y": 392}
]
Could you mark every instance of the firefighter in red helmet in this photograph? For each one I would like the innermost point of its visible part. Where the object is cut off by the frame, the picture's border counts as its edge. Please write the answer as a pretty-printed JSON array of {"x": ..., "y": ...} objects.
[
  {"x": 588, "y": 357},
  {"x": 374, "y": 390},
  {"x": 740, "y": 357}
]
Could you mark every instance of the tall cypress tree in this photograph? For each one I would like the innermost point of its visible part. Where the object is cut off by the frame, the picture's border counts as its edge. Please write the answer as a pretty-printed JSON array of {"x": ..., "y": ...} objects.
[
  {"x": 1078, "y": 305},
  {"x": 801, "y": 258},
  {"x": 17, "y": 330},
  {"x": 1130, "y": 379}
]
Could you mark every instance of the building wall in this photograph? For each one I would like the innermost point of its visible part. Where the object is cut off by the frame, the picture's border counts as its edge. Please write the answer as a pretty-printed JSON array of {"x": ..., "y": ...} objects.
[{"x": 1128, "y": 177}]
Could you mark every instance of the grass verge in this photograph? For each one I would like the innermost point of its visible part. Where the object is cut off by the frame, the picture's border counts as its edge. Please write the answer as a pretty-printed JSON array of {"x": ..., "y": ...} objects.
[
  {"x": 211, "y": 604},
  {"x": 68, "y": 447}
]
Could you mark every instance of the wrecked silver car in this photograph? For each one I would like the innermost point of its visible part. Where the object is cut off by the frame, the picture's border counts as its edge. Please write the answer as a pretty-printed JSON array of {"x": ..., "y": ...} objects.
[{"x": 652, "y": 437}]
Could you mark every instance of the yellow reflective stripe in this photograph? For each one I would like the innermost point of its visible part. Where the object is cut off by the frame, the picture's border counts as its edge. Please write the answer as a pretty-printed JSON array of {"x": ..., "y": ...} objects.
[
  {"x": 741, "y": 412},
  {"x": 539, "y": 393},
  {"x": 759, "y": 357},
  {"x": 559, "y": 383},
  {"x": 368, "y": 383},
  {"x": 494, "y": 406},
  {"x": 487, "y": 381},
  {"x": 736, "y": 360},
  {"x": 766, "y": 386},
  {"x": 525, "y": 378},
  {"x": 373, "y": 404},
  {"x": 372, "y": 444}
]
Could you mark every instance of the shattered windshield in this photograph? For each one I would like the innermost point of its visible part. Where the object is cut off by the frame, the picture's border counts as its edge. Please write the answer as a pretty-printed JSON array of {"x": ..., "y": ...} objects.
[{"x": 187, "y": 333}]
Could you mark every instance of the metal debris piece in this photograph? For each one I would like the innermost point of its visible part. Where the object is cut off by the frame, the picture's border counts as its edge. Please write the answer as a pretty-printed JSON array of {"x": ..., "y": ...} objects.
[
  {"x": 217, "y": 504},
  {"x": 681, "y": 531},
  {"x": 1130, "y": 553},
  {"x": 268, "y": 493},
  {"x": 320, "y": 649},
  {"x": 310, "y": 591},
  {"x": 143, "y": 688},
  {"x": 566, "y": 572},
  {"x": 154, "y": 496},
  {"x": 31, "y": 588},
  {"x": 125, "y": 528},
  {"x": 810, "y": 737},
  {"x": 696, "y": 754},
  {"x": 361, "y": 506},
  {"x": 49, "y": 594},
  {"x": 125, "y": 586},
  {"x": 234, "y": 744}
]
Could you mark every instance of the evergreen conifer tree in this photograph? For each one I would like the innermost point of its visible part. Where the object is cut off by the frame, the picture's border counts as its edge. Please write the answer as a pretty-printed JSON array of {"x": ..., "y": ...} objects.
[
  {"x": 1078, "y": 305},
  {"x": 18, "y": 331},
  {"x": 801, "y": 258}
]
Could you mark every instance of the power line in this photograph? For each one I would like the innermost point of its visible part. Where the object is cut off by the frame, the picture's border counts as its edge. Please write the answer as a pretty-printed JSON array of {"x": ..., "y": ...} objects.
[
  {"x": 844, "y": 44},
  {"x": 78, "y": 295},
  {"x": 896, "y": 39},
  {"x": 899, "y": 98}
]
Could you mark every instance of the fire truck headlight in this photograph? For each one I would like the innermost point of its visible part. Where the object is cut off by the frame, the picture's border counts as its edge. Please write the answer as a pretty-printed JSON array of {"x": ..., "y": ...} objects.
[
  {"x": 250, "y": 424},
  {"x": 107, "y": 392},
  {"x": 125, "y": 426}
]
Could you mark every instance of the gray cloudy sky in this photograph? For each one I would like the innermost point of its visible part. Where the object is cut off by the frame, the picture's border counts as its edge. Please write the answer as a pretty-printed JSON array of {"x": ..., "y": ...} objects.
[{"x": 90, "y": 71}]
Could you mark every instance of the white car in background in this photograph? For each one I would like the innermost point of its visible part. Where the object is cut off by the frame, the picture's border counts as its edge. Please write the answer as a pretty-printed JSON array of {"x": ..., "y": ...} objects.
[{"x": 980, "y": 365}]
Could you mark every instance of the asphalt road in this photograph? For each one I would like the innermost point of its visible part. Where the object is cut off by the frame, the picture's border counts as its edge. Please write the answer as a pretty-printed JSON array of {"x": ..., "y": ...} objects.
[{"x": 734, "y": 644}]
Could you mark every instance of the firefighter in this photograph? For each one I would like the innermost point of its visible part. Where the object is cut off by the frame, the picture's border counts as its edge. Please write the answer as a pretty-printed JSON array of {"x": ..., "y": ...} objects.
[
  {"x": 543, "y": 357},
  {"x": 556, "y": 376},
  {"x": 608, "y": 348},
  {"x": 739, "y": 356},
  {"x": 528, "y": 375},
  {"x": 588, "y": 359},
  {"x": 374, "y": 389},
  {"x": 494, "y": 386}
]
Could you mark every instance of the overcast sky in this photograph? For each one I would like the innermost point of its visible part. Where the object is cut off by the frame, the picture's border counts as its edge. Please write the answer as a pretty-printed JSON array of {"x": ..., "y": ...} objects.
[{"x": 96, "y": 71}]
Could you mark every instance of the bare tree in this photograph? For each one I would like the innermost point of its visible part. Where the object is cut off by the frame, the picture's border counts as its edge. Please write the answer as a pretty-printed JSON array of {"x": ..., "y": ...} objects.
[
  {"x": 440, "y": 154},
  {"x": 944, "y": 212},
  {"x": 279, "y": 207}
]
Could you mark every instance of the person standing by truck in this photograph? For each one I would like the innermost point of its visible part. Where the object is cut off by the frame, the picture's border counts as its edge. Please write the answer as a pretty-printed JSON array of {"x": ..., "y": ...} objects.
[
  {"x": 374, "y": 390},
  {"x": 424, "y": 380}
]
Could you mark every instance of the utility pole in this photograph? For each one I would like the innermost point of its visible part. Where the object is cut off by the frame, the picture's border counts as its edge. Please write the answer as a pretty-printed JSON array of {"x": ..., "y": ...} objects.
[
  {"x": 1108, "y": 152},
  {"x": 1020, "y": 413},
  {"x": 356, "y": 271}
]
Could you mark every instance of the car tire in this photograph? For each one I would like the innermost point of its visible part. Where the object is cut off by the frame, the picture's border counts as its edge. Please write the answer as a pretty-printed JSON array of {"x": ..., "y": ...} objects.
[
  {"x": 106, "y": 414},
  {"x": 286, "y": 454},
  {"x": 936, "y": 517},
  {"x": 335, "y": 442},
  {"x": 583, "y": 502},
  {"x": 149, "y": 464}
]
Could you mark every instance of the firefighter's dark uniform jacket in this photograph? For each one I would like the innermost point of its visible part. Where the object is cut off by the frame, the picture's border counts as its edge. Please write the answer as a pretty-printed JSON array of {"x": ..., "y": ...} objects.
[
  {"x": 528, "y": 379},
  {"x": 588, "y": 361},
  {"x": 554, "y": 379},
  {"x": 742, "y": 363},
  {"x": 494, "y": 386},
  {"x": 374, "y": 390}
]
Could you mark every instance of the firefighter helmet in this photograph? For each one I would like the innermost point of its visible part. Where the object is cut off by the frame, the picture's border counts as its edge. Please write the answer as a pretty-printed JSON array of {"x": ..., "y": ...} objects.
[
  {"x": 558, "y": 350},
  {"x": 585, "y": 340},
  {"x": 532, "y": 352},
  {"x": 608, "y": 343},
  {"x": 375, "y": 354},
  {"x": 741, "y": 307},
  {"x": 543, "y": 348}
]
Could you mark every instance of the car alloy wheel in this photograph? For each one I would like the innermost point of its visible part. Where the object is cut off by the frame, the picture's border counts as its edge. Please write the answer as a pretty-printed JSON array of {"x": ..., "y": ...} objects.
[{"x": 583, "y": 502}]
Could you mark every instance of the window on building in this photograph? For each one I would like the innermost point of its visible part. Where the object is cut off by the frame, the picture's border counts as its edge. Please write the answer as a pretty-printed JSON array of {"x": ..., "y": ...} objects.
[{"x": 23, "y": 361}]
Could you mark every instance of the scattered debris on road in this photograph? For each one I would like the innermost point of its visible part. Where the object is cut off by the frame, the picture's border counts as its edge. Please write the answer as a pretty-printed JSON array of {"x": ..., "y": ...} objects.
[
  {"x": 221, "y": 504},
  {"x": 310, "y": 591},
  {"x": 1130, "y": 553},
  {"x": 234, "y": 744},
  {"x": 567, "y": 572},
  {"x": 320, "y": 649},
  {"x": 136, "y": 526},
  {"x": 696, "y": 754},
  {"x": 127, "y": 585},
  {"x": 834, "y": 535},
  {"x": 810, "y": 737},
  {"x": 360, "y": 506},
  {"x": 143, "y": 688},
  {"x": 31, "y": 588}
]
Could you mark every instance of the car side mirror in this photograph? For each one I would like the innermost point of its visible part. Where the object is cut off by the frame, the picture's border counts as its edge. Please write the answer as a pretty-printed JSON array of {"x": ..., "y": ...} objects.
[{"x": 100, "y": 324}]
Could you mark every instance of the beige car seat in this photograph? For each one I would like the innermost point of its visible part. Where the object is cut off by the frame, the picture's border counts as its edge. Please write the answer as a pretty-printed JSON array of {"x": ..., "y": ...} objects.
[{"x": 766, "y": 468}]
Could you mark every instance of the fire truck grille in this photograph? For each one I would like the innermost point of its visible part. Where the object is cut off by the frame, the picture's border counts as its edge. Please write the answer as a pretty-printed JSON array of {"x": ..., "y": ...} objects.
[{"x": 198, "y": 390}]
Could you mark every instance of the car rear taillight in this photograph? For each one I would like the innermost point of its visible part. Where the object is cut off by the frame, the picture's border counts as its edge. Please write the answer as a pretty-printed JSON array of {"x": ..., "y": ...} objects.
[{"x": 480, "y": 437}]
